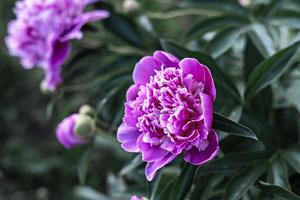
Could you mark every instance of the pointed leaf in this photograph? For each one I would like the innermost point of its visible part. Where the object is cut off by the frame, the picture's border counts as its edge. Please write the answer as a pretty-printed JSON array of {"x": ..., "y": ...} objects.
[
  {"x": 132, "y": 165},
  {"x": 214, "y": 23},
  {"x": 292, "y": 156},
  {"x": 272, "y": 7},
  {"x": 269, "y": 70},
  {"x": 235, "y": 161},
  {"x": 287, "y": 18},
  {"x": 184, "y": 182},
  {"x": 84, "y": 167},
  {"x": 262, "y": 39},
  {"x": 241, "y": 183},
  {"x": 223, "y": 41},
  {"x": 279, "y": 174},
  {"x": 162, "y": 186},
  {"x": 217, "y": 5},
  {"x": 124, "y": 28},
  {"x": 278, "y": 191},
  {"x": 224, "y": 124}
]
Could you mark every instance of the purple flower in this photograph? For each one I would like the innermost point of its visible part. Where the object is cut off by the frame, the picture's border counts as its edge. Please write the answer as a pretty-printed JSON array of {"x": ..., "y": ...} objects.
[
  {"x": 66, "y": 132},
  {"x": 169, "y": 111},
  {"x": 41, "y": 32}
]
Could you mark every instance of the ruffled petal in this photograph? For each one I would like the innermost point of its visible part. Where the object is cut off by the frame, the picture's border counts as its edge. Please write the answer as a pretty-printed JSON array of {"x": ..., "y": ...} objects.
[
  {"x": 144, "y": 69},
  {"x": 128, "y": 136},
  {"x": 150, "y": 153},
  {"x": 59, "y": 54},
  {"x": 199, "y": 157},
  {"x": 166, "y": 58},
  {"x": 153, "y": 167},
  {"x": 132, "y": 92},
  {"x": 192, "y": 66},
  {"x": 52, "y": 79},
  {"x": 209, "y": 86},
  {"x": 207, "y": 109},
  {"x": 81, "y": 20}
]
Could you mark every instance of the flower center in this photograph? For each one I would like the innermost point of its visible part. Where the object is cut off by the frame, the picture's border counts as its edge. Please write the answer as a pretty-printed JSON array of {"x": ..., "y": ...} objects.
[{"x": 170, "y": 109}]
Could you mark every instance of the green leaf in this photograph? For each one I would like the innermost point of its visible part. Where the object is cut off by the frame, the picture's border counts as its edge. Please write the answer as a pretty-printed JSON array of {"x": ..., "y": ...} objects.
[
  {"x": 184, "y": 182},
  {"x": 292, "y": 156},
  {"x": 269, "y": 70},
  {"x": 162, "y": 186},
  {"x": 132, "y": 165},
  {"x": 272, "y": 7},
  {"x": 287, "y": 18},
  {"x": 262, "y": 39},
  {"x": 214, "y": 23},
  {"x": 84, "y": 167},
  {"x": 219, "y": 76},
  {"x": 235, "y": 161},
  {"x": 217, "y": 5},
  {"x": 208, "y": 189},
  {"x": 242, "y": 182},
  {"x": 200, "y": 186},
  {"x": 293, "y": 93},
  {"x": 279, "y": 174},
  {"x": 124, "y": 28},
  {"x": 278, "y": 191},
  {"x": 223, "y": 41},
  {"x": 84, "y": 192},
  {"x": 224, "y": 124},
  {"x": 252, "y": 57}
]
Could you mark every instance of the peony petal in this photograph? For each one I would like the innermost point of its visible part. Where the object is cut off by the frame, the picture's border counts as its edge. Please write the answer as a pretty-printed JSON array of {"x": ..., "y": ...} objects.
[
  {"x": 127, "y": 136},
  {"x": 209, "y": 86},
  {"x": 150, "y": 153},
  {"x": 197, "y": 157},
  {"x": 132, "y": 92},
  {"x": 52, "y": 79},
  {"x": 152, "y": 167},
  {"x": 166, "y": 58},
  {"x": 144, "y": 69},
  {"x": 129, "y": 117},
  {"x": 81, "y": 20},
  {"x": 192, "y": 66},
  {"x": 65, "y": 132},
  {"x": 59, "y": 54},
  {"x": 207, "y": 109}
]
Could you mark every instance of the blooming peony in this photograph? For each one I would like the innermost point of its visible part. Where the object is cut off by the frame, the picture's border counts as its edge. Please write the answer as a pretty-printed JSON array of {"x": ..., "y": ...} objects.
[
  {"x": 41, "y": 33},
  {"x": 169, "y": 111},
  {"x": 74, "y": 130}
]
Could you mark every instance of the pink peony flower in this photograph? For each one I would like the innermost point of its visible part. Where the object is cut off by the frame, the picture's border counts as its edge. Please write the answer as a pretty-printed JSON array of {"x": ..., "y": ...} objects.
[
  {"x": 169, "y": 111},
  {"x": 41, "y": 32}
]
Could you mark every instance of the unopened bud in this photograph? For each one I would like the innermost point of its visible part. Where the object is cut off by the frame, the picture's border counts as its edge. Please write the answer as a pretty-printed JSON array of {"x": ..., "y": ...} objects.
[
  {"x": 245, "y": 2},
  {"x": 86, "y": 110},
  {"x": 130, "y": 6},
  {"x": 85, "y": 126}
]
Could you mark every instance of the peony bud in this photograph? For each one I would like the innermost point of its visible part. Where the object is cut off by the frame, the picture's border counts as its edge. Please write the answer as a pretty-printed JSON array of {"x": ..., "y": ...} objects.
[
  {"x": 74, "y": 130},
  {"x": 86, "y": 110},
  {"x": 130, "y": 6},
  {"x": 85, "y": 126},
  {"x": 245, "y": 2}
]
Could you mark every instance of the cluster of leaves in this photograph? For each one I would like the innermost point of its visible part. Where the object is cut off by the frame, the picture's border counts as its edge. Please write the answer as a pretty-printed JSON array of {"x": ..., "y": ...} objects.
[{"x": 253, "y": 53}]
